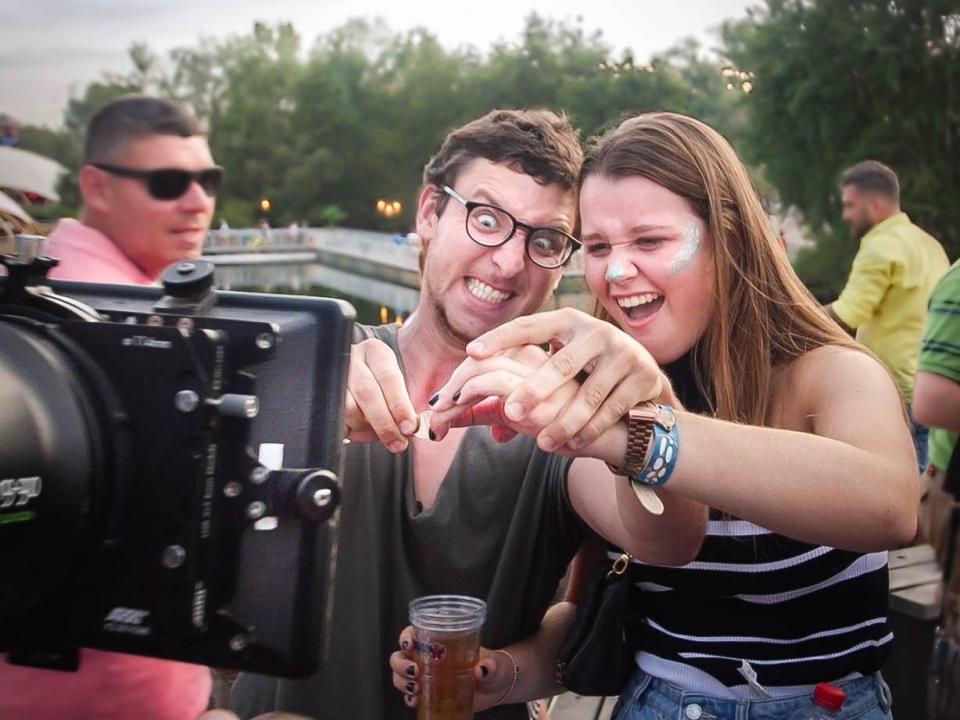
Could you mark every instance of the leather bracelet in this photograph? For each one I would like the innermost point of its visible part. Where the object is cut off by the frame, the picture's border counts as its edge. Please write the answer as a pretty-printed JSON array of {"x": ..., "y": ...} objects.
[{"x": 516, "y": 676}]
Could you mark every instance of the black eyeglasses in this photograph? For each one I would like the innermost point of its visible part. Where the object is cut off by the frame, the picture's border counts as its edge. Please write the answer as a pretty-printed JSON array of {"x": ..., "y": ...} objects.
[
  {"x": 491, "y": 226},
  {"x": 170, "y": 183}
]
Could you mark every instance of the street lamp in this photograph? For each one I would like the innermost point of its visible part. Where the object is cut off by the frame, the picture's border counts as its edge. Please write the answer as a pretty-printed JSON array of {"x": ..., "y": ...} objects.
[
  {"x": 389, "y": 208},
  {"x": 265, "y": 205}
]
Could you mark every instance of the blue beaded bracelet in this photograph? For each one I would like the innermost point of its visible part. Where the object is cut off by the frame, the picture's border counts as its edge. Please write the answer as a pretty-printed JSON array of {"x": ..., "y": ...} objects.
[{"x": 663, "y": 450}]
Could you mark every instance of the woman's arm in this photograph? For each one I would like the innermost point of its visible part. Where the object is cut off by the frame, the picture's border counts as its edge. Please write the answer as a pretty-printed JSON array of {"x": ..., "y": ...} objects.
[{"x": 845, "y": 477}]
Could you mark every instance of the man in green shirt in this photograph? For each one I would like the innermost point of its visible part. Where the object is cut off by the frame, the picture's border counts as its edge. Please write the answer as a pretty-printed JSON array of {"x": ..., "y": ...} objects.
[{"x": 893, "y": 275}]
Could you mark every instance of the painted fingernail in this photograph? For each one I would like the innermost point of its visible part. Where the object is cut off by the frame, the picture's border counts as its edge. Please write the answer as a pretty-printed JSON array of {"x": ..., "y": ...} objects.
[
  {"x": 404, "y": 644},
  {"x": 411, "y": 670},
  {"x": 410, "y": 686},
  {"x": 433, "y": 401},
  {"x": 456, "y": 396},
  {"x": 407, "y": 427},
  {"x": 513, "y": 410}
]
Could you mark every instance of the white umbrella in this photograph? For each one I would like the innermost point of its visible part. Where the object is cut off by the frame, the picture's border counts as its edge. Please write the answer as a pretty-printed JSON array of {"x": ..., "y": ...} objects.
[
  {"x": 28, "y": 172},
  {"x": 7, "y": 204}
]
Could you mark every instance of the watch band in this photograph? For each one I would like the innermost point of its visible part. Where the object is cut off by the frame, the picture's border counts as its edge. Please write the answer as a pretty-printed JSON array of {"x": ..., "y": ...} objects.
[{"x": 640, "y": 422}]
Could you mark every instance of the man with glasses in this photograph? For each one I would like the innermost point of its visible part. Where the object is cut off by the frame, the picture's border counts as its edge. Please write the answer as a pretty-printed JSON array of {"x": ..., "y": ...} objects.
[
  {"x": 148, "y": 184},
  {"x": 464, "y": 514}
]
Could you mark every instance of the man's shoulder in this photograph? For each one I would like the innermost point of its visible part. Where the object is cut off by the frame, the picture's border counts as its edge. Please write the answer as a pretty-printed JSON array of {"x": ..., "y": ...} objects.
[
  {"x": 87, "y": 255},
  {"x": 949, "y": 286}
]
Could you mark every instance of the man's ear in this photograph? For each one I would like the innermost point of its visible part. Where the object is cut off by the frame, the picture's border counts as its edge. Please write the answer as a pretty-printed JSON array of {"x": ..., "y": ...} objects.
[
  {"x": 427, "y": 217},
  {"x": 94, "y": 188}
]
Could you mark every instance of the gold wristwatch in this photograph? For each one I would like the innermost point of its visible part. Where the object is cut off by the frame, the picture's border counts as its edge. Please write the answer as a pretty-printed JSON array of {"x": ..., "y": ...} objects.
[{"x": 640, "y": 422}]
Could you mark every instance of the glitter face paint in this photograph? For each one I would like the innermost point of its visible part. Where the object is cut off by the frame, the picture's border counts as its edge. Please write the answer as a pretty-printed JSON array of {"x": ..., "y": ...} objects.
[
  {"x": 688, "y": 250},
  {"x": 615, "y": 272}
]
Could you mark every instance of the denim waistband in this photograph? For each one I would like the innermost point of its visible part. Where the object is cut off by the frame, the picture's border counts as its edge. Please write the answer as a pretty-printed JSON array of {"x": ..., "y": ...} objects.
[{"x": 671, "y": 701}]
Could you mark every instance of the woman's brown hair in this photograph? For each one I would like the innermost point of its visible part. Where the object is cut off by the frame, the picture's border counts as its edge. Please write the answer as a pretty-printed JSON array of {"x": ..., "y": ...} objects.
[{"x": 764, "y": 315}]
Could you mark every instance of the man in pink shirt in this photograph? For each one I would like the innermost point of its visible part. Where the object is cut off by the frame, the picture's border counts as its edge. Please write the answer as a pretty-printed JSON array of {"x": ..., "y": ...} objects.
[{"x": 148, "y": 183}]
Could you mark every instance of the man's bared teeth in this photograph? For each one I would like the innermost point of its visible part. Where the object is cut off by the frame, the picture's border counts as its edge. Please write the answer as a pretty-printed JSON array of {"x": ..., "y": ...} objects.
[{"x": 483, "y": 291}]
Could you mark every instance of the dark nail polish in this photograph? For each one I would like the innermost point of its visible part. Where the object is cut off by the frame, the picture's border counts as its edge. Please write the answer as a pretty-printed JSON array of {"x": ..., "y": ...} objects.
[
  {"x": 410, "y": 686},
  {"x": 433, "y": 401},
  {"x": 411, "y": 670},
  {"x": 431, "y": 434},
  {"x": 456, "y": 396},
  {"x": 484, "y": 670}
]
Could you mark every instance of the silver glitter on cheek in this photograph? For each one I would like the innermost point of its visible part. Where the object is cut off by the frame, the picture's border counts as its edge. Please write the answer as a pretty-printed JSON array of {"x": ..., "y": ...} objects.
[
  {"x": 616, "y": 272},
  {"x": 688, "y": 250}
]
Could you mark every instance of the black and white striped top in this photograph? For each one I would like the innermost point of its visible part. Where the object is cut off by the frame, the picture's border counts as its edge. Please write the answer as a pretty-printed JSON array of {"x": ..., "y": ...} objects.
[{"x": 760, "y": 612}]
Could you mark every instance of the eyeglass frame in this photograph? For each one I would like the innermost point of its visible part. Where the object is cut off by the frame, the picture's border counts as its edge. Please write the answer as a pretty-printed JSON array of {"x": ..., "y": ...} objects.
[
  {"x": 147, "y": 175},
  {"x": 470, "y": 206}
]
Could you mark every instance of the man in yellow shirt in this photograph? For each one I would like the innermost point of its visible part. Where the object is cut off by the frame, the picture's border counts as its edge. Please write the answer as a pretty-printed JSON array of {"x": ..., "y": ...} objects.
[{"x": 894, "y": 273}]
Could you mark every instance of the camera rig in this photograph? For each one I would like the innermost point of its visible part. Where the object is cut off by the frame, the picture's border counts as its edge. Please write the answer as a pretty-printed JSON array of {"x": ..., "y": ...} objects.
[{"x": 168, "y": 468}]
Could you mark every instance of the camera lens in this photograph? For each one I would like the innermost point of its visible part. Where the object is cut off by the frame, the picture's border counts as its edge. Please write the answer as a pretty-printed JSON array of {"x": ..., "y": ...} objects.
[{"x": 49, "y": 458}]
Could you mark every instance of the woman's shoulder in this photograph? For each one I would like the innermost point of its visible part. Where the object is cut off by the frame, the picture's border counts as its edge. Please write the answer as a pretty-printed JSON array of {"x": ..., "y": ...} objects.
[{"x": 832, "y": 371}]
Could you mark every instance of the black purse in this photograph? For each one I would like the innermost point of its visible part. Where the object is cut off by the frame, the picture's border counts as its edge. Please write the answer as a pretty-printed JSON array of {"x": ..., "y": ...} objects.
[{"x": 595, "y": 658}]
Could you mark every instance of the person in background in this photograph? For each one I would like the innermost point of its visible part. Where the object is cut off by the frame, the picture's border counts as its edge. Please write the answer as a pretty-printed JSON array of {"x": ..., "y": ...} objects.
[
  {"x": 148, "y": 183},
  {"x": 894, "y": 272}
]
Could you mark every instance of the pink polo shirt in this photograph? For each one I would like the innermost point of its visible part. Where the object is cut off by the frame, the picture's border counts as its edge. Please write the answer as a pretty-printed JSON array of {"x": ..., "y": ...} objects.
[
  {"x": 87, "y": 255},
  {"x": 108, "y": 686}
]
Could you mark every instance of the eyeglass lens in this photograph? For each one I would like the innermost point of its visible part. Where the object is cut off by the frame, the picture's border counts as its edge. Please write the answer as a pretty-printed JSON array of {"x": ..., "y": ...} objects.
[{"x": 490, "y": 226}]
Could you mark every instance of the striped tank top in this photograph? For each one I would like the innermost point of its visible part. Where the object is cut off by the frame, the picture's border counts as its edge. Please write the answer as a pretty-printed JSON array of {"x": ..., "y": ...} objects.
[{"x": 758, "y": 612}]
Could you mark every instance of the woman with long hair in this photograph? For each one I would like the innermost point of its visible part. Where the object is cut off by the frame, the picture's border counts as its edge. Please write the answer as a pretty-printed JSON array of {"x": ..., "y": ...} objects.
[{"x": 793, "y": 433}]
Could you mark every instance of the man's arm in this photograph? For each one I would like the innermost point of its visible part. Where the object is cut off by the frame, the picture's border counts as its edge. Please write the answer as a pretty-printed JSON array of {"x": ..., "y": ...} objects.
[
  {"x": 836, "y": 318},
  {"x": 936, "y": 391},
  {"x": 870, "y": 279},
  {"x": 936, "y": 401}
]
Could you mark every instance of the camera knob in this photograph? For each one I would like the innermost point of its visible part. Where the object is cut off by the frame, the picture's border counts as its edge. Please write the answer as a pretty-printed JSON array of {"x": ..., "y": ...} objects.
[
  {"x": 27, "y": 248},
  {"x": 188, "y": 279},
  {"x": 317, "y": 495},
  {"x": 235, "y": 405}
]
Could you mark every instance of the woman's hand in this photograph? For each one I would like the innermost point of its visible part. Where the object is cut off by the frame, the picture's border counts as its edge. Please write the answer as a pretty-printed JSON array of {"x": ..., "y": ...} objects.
[
  {"x": 477, "y": 389},
  {"x": 620, "y": 374},
  {"x": 493, "y": 674}
]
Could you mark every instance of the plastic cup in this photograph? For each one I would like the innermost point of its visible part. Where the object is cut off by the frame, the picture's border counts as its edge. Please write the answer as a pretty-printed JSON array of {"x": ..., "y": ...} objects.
[{"x": 446, "y": 642}]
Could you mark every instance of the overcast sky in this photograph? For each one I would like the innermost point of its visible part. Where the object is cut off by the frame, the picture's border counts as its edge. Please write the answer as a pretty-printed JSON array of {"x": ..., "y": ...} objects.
[{"x": 53, "y": 48}]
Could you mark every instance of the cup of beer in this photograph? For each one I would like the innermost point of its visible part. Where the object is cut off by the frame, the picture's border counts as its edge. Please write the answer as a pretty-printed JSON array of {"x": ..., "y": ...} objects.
[{"x": 446, "y": 642}]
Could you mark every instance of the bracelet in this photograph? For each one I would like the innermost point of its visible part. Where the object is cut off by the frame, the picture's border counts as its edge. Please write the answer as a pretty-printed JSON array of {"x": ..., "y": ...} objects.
[
  {"x": 516, "y": 676},
  {"x": 663, "y": 450}
]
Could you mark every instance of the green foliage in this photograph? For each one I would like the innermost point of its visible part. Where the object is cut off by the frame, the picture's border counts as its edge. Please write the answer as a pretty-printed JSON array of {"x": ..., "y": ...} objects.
[
  {"x": 835, "y": 83},
  {"x": 324, "y": 134}
]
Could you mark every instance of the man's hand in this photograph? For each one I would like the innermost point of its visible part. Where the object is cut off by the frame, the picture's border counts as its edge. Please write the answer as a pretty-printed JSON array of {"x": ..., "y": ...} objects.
[
  {"x": 378, "y": 406},
  {"x": 493, "y": 674}
]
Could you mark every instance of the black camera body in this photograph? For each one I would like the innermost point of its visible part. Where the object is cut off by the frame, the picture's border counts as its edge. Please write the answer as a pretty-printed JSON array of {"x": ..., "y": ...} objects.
[{"x": 168, "y": 469}]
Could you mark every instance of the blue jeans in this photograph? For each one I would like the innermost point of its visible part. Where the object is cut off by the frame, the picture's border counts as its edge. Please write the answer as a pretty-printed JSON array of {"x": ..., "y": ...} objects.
[{"x": 646, "y": 698}]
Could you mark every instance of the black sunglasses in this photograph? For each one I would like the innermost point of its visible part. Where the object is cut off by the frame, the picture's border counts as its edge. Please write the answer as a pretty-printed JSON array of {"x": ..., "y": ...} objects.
[{"x": 170, "y": 183}]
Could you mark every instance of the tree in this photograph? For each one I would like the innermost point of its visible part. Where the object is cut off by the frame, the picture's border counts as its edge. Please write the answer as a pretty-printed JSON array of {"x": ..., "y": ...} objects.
[{"x": 836, "y": 83}]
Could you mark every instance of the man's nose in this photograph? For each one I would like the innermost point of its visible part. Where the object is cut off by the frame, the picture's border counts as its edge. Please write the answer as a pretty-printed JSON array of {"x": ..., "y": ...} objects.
[
  {"x": 195, "y": 199},
  {"x": 511, "y": 257}
]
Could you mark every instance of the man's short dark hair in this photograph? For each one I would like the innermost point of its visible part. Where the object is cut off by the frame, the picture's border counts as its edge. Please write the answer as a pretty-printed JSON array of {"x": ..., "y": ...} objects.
[
  {"x": 871, "y": 176},
  {"x": 132, "y": 117},
  {"x": 538, "y": 143}
]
